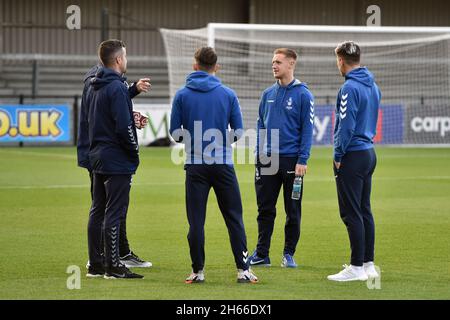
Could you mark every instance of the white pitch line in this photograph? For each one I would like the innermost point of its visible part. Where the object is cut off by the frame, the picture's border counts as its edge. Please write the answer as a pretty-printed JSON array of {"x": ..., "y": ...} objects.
[
  {"x": 318, "y": 157},
  {"x": 41, "y": 154},
  {"x": 140, "y": 184}
]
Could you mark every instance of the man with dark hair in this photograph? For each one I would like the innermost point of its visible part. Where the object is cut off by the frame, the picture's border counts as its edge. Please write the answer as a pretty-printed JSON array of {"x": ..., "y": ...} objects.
[
  {"x": 287, "y": 108},
  {"x": 113, "y": 158},
  {"x": 127, "y": 257},
  {"x": 205, "y": 107},
  {"x": 357, "y": 106}
]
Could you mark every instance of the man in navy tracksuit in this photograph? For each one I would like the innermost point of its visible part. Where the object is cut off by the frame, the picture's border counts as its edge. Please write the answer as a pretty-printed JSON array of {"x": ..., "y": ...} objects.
[
  {"x": 201, "y": 114},
  {"x": 127, "y": 257},
  {"x": 113, "y": 157},
  {"x": 357, "y": 107},
  {"x": 286, "y": 110}
]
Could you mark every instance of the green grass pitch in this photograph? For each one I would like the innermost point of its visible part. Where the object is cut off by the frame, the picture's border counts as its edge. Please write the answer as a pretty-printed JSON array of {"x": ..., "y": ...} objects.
[{"x": 44, "y": 203}]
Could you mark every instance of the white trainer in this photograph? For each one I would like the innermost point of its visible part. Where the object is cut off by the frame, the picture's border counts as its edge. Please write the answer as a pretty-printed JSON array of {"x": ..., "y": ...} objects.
[
  {"x": 369, "y": 268},
  {"x": 350, "y": 273},
  {"x": 246, "y": 276},
  {"x": 196, "y": 277}
]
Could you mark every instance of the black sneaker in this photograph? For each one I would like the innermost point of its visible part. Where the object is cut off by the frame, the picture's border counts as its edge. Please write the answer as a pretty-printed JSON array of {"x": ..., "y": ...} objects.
[
  {"x": 95, "y": 271},
  {"x": 131, "y": 260},
  {"x": 121, "y": 272}
]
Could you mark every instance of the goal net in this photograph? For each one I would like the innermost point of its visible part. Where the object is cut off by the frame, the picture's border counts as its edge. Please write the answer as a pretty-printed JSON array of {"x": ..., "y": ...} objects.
[{"x": 411, "y": 66}]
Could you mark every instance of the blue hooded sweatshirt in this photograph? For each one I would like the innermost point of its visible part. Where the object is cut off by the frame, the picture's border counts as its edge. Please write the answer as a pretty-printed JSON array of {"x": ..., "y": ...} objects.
[
  {"x": 112, "y": 135},
  {"x": 357, "y": 107},
  {"x": 202, "y": 112},
  {"x": 83, "y": 124},
  {"x": 290, "y": 110}
]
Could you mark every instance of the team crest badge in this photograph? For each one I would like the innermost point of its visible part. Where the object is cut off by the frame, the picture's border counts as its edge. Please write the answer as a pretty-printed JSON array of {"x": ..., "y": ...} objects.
[{"x": 289, "y": 103}]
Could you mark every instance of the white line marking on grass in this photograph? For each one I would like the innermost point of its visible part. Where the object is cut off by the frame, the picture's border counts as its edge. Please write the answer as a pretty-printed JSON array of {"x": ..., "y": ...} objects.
[
  {"x": 318, "y": 157},
  {"x": 40, "y": 154},
  {"x": 55, "y": 186},
  {"x": 143, "y": 184}
]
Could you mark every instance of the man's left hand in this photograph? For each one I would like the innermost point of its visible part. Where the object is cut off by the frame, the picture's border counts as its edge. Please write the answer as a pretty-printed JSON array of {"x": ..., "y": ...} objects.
[{"x": 300, "y": 170}]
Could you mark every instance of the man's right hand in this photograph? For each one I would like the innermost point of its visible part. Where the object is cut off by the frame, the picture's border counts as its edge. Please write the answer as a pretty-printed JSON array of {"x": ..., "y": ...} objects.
[{"x": 143, "y": 85}]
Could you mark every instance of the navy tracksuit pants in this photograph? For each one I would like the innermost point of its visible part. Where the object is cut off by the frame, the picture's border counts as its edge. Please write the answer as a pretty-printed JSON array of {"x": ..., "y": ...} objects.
[
  {"x": 354, "y": 184},
  {"x": 109, "y": 208},
  {"x": 124, "y": 246},
  {"x": 200, "y": 178},
  {"x": 267, "y": 190}
]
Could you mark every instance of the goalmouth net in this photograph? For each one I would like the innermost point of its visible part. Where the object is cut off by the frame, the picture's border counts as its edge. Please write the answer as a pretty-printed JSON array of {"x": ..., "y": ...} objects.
[{"x": 411, "y": 65}]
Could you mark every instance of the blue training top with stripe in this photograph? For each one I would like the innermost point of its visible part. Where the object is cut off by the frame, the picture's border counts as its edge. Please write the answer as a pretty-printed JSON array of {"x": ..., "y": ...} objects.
[{"x": 357, "y": 107}]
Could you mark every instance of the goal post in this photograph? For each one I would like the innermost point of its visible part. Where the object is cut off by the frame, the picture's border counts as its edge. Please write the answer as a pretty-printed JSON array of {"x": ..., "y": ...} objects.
[{"x": 411, "y": 66}]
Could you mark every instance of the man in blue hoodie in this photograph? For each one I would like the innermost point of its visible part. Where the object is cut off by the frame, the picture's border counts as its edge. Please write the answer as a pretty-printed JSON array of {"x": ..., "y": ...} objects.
[
  {"x": 286, "y": 112},
  {"x": 201, "y": 114},
  {"x": 127, "y": 257},
  {"x": 113, "y": 157},
  {"x": 357, "y": 107}
]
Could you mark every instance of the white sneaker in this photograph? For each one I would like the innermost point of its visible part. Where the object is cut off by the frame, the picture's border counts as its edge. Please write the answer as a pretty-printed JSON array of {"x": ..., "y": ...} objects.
[
  {"x": 246, "y": 276},
  {"x": 198, "y": 277},
  {"x": 369, "y": 268},
  {"x": 350, "y": 273},
  {"x": 131, "y": 260}
]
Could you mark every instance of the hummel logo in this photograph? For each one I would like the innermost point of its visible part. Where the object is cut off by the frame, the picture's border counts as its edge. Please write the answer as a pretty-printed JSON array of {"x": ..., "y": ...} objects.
[
  {"x": 311, "y": 112},
  {"x": 245, "y": 254},
  {"x": 343, "y": 108}
]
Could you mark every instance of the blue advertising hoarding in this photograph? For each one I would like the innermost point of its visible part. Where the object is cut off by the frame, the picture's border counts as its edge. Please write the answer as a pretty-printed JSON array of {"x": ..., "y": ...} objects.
[
  {"x": 35, "y": 124},
  {"x": 390, "y": 127}
]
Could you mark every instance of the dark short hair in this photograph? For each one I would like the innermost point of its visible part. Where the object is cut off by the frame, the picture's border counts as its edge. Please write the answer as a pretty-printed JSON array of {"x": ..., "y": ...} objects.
[
  {"x": 108, "y": 49},
  {"x": 289, "y": 53},
  {"x": 206, "y": 58},
  {"x": 349, "y": 51}
]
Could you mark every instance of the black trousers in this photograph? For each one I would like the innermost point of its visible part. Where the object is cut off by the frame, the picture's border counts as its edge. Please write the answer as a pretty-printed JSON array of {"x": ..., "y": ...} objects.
[
  {"x": 267, "y": 190},
  {"x": 222, "y": 178},
  {"x": 109, "y": 208},
  {"x": 124, "y": 246},
  {"x": 354, "y": 184}
]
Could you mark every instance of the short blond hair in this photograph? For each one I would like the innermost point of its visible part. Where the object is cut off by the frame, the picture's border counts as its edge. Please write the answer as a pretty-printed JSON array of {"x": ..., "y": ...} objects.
[{"x": 289, "y": 53}]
